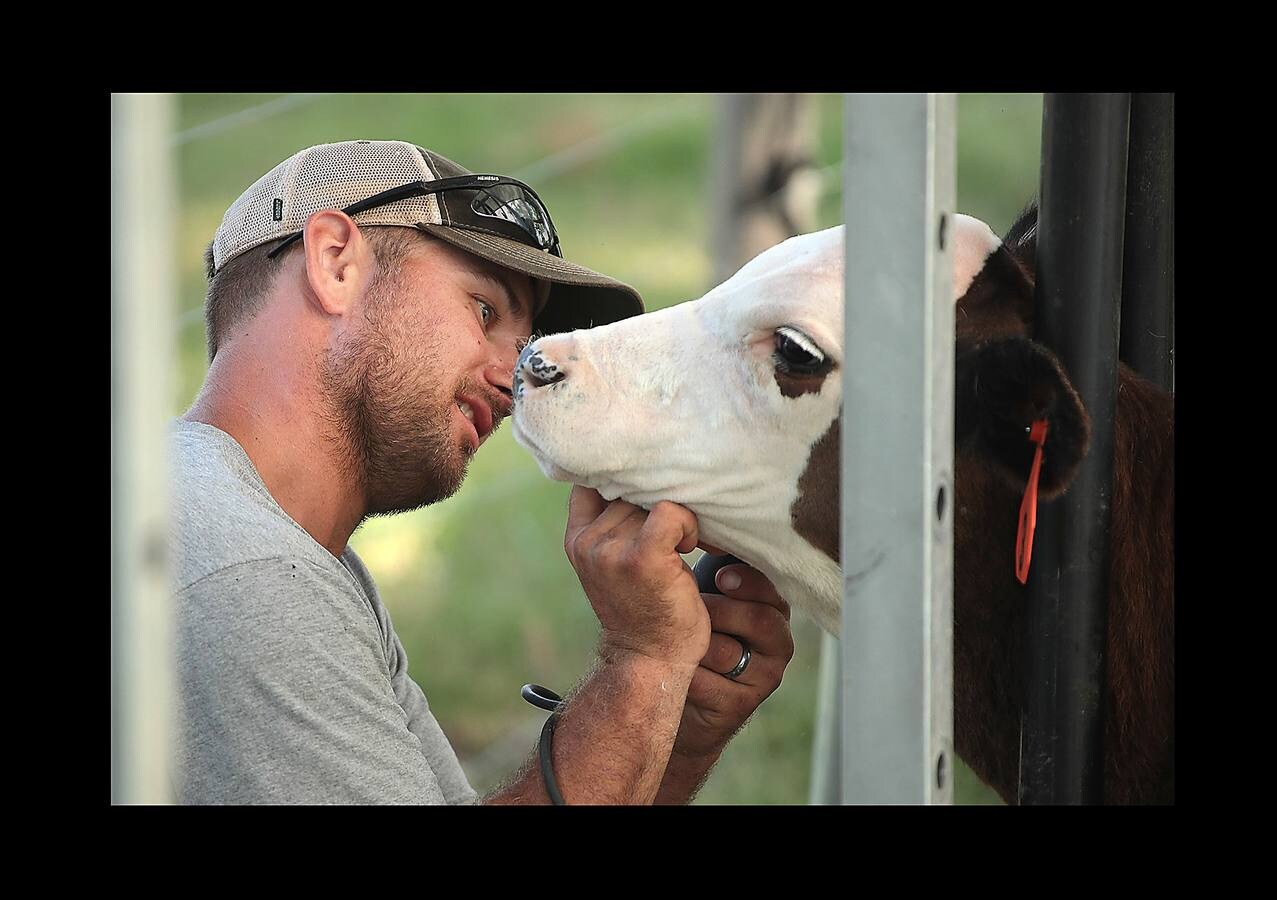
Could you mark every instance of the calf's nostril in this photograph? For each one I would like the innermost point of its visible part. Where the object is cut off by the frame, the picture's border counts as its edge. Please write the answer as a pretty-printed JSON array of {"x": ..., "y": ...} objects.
[
  {"x": 535, "y": 371},
  {"x": 537, "y": 380}
]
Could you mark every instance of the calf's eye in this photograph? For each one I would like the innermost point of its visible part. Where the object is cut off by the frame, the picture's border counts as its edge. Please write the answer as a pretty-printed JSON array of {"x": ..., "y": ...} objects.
[{"x": 798, "y": 354}]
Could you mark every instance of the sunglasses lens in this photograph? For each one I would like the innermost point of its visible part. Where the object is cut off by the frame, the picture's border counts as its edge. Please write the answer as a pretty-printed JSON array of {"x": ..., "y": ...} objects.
[{"x": 512, "y": 203}]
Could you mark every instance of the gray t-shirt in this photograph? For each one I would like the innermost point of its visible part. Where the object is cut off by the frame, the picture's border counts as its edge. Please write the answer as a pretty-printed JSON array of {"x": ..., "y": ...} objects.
[{"x": 292, "y": 684}]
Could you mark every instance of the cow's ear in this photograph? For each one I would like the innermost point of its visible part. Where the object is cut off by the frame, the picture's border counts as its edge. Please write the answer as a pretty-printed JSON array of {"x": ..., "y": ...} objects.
[
  {"x": 991, "y": 285},
  {"x": 1001, "y": 387},
  {"x": 973, "y": 242}
]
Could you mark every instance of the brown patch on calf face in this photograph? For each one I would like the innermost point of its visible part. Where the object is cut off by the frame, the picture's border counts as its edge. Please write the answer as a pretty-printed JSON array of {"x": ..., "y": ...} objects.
[
  {"x": 817, "y": 513},
  {"x": 796, "y": 385}
]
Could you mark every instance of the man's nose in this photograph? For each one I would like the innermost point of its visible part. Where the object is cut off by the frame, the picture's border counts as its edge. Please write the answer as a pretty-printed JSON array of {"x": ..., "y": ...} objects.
[{"x": 500, "y": 372}]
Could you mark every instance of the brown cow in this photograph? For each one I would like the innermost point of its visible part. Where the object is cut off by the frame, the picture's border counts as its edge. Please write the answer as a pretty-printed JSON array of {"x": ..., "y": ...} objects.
[{"x": 1004, "y": 380}]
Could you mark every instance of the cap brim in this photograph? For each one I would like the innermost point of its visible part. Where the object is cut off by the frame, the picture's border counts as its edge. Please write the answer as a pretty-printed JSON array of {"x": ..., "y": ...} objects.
[{"x": 578, "y": 298}]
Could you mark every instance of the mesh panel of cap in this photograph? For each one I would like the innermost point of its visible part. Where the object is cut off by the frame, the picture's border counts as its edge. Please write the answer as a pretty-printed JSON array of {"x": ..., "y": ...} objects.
[{"x": 329, "y": 176}]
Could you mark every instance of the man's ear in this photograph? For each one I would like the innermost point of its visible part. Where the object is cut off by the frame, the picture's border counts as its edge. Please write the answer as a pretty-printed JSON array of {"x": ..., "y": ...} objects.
[
  {"x": 1001, "y": 387},
  {"x": 340, "y": 262}
]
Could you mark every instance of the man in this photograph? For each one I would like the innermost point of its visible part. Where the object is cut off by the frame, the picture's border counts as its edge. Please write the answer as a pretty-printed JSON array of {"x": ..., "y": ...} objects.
[{"x": 366, "y": 307}]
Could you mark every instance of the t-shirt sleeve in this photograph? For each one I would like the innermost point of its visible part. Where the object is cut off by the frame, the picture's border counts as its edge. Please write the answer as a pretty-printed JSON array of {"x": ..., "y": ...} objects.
[
  {"x": 443, "y": 759},
  {"x": 286, "y": 695}
]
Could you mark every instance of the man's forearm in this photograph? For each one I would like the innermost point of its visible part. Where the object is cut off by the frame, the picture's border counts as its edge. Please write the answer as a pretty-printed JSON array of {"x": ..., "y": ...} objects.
[{"x": 613, "y": 740}]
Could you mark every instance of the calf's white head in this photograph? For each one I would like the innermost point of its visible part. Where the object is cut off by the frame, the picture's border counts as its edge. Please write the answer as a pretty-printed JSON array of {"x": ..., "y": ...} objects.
[{"x": 728, "y": 405}]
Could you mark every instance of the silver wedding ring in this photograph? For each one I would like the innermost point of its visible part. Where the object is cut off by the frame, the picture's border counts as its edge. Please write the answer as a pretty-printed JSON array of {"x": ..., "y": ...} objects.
[{"x": 744, "y": 661}]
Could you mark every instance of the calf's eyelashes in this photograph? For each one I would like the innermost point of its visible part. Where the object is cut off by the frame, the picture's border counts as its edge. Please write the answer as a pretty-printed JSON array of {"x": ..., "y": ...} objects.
[
  {"x": 800, "y": 364},
  {"x": 797, "y": 353}
]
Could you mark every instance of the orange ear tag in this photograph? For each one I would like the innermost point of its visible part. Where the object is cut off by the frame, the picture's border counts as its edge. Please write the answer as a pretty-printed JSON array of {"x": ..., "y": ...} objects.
[{"x": 1029, "y": 506}]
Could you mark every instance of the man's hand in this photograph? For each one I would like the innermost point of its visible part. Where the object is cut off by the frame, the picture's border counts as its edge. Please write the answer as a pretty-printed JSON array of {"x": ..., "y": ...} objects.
[
  {"x": 612, "y": 743},
  {"x": 643, "y": 593},
  {"x": 750, "y": 611}
]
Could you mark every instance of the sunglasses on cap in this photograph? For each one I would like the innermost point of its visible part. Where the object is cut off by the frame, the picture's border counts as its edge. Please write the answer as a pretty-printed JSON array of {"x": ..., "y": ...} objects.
[{"x": 500, "y": 205}]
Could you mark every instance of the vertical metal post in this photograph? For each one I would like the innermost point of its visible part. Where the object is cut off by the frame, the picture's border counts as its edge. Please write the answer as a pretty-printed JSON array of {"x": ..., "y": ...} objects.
[
  {"x": 826, "y": 745},
  {"x": 1148, "y": 268},
  {"x": 1078, "y": 295},
  {"x": 142, "y": 196},
  {"x": 897, "y": 450}
]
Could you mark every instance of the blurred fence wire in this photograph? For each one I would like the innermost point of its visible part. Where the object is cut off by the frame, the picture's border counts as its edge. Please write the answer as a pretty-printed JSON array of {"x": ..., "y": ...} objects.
[{"x": 243, "y": 117}]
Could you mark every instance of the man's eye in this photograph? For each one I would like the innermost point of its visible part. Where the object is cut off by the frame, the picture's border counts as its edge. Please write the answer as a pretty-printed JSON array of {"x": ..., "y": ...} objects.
[{"x": 487, "y": 311}]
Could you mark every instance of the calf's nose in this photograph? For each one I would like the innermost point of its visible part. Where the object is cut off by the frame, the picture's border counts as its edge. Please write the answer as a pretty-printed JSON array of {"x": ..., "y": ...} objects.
[{"x": 538, "y": 368}]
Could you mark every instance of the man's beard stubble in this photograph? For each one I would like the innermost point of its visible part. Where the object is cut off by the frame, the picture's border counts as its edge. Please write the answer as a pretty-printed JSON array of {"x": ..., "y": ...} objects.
[{"x": 399, "y": 439}]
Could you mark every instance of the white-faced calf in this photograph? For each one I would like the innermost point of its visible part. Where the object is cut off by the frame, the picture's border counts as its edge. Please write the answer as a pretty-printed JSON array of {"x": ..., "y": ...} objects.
[{"x": 731, "y": 405}]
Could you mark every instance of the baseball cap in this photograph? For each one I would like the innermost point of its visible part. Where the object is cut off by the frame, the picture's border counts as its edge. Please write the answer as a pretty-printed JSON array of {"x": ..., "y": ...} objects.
[{"x": 497, "y": 218}]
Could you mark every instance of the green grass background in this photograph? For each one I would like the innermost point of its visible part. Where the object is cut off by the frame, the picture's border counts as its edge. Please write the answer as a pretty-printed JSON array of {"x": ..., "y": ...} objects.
[{"x": 478, "y": 586}]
